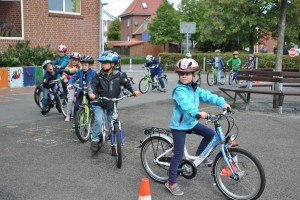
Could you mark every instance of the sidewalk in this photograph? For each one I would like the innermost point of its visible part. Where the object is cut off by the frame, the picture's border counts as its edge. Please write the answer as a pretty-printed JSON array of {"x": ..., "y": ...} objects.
[{"x": 6, "y": 92}]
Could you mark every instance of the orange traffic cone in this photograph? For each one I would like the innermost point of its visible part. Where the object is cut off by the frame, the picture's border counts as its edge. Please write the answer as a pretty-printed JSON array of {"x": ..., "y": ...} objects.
[
  {"x": 226, "y": 171},
  {"x": 145, "y": 193}
]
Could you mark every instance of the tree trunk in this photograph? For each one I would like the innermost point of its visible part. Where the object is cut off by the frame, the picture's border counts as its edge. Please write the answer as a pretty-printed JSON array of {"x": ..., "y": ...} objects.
[{"x": 278, "y": 64}]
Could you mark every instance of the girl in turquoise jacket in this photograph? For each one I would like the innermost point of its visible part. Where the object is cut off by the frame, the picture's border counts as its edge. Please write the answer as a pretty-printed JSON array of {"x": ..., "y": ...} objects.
[{"x": 186, "y": 97}]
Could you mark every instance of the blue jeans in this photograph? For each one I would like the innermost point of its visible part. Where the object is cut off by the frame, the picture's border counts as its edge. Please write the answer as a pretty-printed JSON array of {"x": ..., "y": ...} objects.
[
  {"x": 179, "y": 142},
  {"x": 99, "y": 120},
  {"x": 218, "y": 72},
  {"x": 45, "y": 97}
]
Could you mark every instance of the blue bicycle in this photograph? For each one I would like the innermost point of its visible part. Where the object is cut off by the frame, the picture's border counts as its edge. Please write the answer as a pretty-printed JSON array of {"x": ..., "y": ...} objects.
[
  {"x": 237, "y": 173},
  {"x": 114, "y": 133}
]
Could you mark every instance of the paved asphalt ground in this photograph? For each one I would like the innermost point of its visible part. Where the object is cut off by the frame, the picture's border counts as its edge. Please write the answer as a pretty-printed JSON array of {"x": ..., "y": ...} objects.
[{"x": 41, "y": 158}]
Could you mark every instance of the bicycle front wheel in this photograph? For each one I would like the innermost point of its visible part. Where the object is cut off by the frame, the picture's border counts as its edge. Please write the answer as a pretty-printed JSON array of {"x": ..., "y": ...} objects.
[
  {"x": 211, "y": 79},
  {"x": 118, "y": 145},
  {"x": 82, "y": 125},
  {"x": 144, "y": 85},
  {"x": 152, "y": 148},
  {"x": 36, "y": 94},
  {"x": 63, "y": 103},
  {"x": 40, "y": 98},
  {"x": 222, "y": 77},
  {"x": 251, "y": 182},
  {"x": 165, "y": 80},
  {"x": 232, "y": 79}
]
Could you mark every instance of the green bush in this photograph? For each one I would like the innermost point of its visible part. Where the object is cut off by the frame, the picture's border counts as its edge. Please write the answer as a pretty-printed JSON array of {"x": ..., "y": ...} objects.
[
  {"x": 23, "y": 55},
  {"x": 169, "y": 60},
  {"x": 135, "y": 60}
]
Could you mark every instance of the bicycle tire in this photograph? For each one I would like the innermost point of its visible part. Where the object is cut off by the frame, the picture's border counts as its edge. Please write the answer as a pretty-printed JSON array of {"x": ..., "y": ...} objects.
[
  {"x": 157, "y": 172},
  {"x": 165, "y": 80},
  {"x": 222, "y": 77},
  {"x": 211, "y": 79},
  {"x": 35, "y": 94},
  {"x": 247, "y": 187},
  {"x": 81, "y": 125},
  {"x": 118, "y": 145},
  {"x": 63, "y": 103},
  {"x": 144, "y": 85}
]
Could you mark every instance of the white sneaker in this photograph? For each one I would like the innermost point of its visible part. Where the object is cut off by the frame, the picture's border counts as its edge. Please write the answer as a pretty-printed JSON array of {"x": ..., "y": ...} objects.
[
  {"x": 67, "y": 118},
  {"x": 174, "y": 189}
]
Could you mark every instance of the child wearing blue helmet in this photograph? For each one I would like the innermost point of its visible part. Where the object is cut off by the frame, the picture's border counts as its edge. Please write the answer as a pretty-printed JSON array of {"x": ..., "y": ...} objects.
[{"x": 107, "y": 83}]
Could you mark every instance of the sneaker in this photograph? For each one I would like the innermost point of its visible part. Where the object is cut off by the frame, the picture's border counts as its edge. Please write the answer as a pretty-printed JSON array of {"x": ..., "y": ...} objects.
[
  {"x": 59, "y": 109},
  {"x": 67, "y": 118},
  {"x": 94, "y": 146},
  {"x": 163, "y": 90},
  {"x": 174, "y": 189},
  {"x": 44, "y": 113},
  {"x": 207, "y": 162}
]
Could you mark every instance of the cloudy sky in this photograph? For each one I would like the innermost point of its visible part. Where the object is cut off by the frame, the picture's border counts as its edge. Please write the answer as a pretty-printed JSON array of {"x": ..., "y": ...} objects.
[{"x": 117, "y": 7}]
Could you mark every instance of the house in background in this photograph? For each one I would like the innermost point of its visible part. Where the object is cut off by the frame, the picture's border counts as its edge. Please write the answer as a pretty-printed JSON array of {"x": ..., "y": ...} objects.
[
  {"x": 134, "y": 30},
  {"x": 51, "y": 22}
]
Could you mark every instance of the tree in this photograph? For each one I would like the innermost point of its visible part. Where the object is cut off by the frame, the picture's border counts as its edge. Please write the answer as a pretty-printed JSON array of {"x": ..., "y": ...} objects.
[
  {"x": 164, "y": 27},
  {"x": 114, "y": 32}
]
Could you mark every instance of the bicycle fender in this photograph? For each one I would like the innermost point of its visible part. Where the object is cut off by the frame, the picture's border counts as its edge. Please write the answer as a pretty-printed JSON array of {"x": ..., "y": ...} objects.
[{"x": 164, "y": 136}]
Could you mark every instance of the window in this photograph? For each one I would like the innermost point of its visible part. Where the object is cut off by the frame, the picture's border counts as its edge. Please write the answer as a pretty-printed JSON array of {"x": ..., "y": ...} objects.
[
  {"x": 128, "y": 23},
  {"x": 11, "y": 20},
  {"x": 64, "y": 6},
  {"x": 144, "y": 5}
]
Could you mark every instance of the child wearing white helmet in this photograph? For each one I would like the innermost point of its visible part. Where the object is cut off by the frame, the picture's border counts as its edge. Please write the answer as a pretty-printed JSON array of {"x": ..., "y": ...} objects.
[
  {"x": 186, "y": 97},
  {"x": 218, "y": 63}
]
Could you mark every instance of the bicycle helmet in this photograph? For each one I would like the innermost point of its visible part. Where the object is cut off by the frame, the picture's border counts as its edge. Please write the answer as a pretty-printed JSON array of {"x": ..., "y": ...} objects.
[
  {"x": 187, "y": 65},
  {"x": 236, "y": 53},
  {"x": 62, "y": 48},
  {"x": 87, "y": 59},
  {"x": 188, "y": 55},
  {"x": 75, "y": 55},
  {"x": 217, "y": 51},
  {"x": 251, "y": 56},
  {"x": 148, "y": 58},
  {"x": 109, "y": 56},
  {"x": 45, "y": 63}
]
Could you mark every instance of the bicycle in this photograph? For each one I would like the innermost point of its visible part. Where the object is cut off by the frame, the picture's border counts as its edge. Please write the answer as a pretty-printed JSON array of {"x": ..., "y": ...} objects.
[
  {"x": 83, "y": 117},
  {"x": 146, "y": 81},
  {"x": 115, "y": 130},
  {"x": 51, "y": 100},
  {"x": 212, "y": 76},
  {"x": 232, "y": 78},
  {"x": 237, "y": 173}
]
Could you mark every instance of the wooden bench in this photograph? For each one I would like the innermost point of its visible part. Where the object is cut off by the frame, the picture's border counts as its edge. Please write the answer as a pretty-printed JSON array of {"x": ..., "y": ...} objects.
[{"x": 267, "y": 79}]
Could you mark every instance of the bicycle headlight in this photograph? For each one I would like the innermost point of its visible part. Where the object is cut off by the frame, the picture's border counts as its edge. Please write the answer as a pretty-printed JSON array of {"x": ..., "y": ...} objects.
[{"x": 115, "y": 115}]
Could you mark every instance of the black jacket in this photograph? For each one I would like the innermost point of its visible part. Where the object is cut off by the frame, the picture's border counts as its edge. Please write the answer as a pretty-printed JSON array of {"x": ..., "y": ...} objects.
[{"x": 110, "y": 87}]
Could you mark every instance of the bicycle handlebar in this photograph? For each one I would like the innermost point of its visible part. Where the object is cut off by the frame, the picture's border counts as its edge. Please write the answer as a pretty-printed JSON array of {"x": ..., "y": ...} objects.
[
  {"x": 212, "y": 118},
  {"x": 113, "y": 99},
  {"x": 55, "y": 81}
]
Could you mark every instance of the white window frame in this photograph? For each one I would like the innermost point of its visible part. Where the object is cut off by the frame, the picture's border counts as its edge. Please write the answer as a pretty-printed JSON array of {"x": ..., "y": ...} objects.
[
  {"x": 128, "y": 22},
  {"x": 22, "y": 26},
  {"x": 64, "y": 9},
  {"x": 144, "y": 5}
]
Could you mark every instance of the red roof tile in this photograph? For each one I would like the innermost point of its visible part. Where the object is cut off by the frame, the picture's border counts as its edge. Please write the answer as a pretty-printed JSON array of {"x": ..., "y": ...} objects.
[{"x": 136, "y": 8}]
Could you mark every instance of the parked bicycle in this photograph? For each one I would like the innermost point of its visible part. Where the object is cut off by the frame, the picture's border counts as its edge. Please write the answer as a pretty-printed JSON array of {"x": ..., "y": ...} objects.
[
  {"x": 38, "y": 96},
  {"x": 212, "y": 76},
  {"x": 146, "y": 82},
  {"x": 114, "y": 131},
  {"x": 237, "y": 173},
  {"x": 83, "y": 117}
]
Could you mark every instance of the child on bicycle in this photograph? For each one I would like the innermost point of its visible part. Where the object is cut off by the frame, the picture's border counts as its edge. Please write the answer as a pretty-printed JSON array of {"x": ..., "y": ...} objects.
[
  {"x": 49, "y": 76},
  {"x": 155, "y": 69},
  {"x": 235, "y": 63},
  {"x": 218, "y": 63},
  {"x": 186, "y": 97},
  {"x": 85, "y": 76},
  {"x": 70, "y": 70},
  {"x": 250, "y": 62},
  {"x": 107, "y": 83},
  {"x": 61, "y": 62}
]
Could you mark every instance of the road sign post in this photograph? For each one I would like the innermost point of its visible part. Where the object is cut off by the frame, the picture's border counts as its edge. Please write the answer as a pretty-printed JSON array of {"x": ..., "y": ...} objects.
[{"x": 188, "y": 28}]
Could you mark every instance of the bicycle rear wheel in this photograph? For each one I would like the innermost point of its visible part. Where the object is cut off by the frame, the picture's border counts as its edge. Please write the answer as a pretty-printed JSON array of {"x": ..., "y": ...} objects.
[
  {"x": 82, "y": 125},
  {"x": 251, "y": 182},
  {"x": 222, "y": 77},
  {"x": 211, "y": 79},
  {"x": 151, "y": 149},
  {"x": 144, "y": 85},
  {"x": 118, "y": 145}
]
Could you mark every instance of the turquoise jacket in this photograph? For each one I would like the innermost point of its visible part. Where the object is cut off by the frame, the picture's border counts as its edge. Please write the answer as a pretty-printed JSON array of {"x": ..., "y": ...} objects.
[
  {"x": 186, "y": 105},
  {"x": 62, "y": 61}
]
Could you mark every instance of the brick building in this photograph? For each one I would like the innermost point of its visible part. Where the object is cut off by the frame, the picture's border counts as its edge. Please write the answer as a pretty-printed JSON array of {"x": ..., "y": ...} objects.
[{"x": 74, "y": 23}]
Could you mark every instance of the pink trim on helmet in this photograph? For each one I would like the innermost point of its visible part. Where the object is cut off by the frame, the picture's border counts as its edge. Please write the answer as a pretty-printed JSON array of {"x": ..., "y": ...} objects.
[{"x": 62, "y": 48}]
